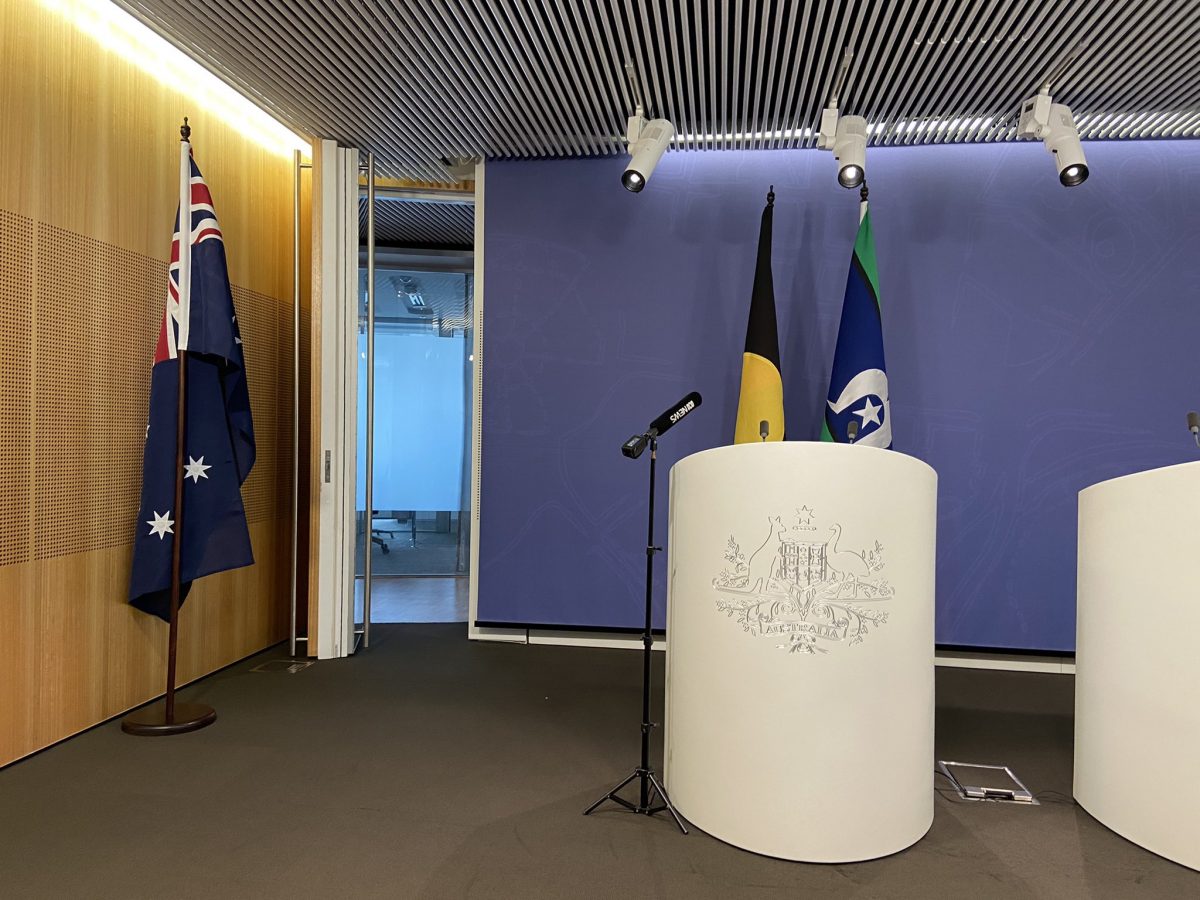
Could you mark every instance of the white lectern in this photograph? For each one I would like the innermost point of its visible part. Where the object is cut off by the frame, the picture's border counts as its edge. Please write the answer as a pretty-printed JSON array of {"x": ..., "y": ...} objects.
[
  {"x": 1137, "y": 662},
  {"x": 799, "y": 718}
]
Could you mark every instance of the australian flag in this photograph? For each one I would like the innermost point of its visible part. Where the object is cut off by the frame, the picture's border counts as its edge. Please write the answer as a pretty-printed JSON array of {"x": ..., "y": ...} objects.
[{"x": 219, "y": 434}]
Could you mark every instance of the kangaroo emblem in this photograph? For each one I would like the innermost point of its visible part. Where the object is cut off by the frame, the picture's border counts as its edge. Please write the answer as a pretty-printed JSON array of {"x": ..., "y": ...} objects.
[{"x": 762, "y": 562}]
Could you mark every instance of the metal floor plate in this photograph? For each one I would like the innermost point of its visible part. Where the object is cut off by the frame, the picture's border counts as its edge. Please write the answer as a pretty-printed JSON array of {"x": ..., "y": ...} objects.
[
  {"x": 974, "y": 781},
  {"x": 290, "y": 666}
]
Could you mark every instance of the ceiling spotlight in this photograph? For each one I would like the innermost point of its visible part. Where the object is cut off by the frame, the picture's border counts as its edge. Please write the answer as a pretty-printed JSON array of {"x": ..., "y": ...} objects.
[
  {"x": 1052, "y": 123},
  {"x": 846, "y": 136},
  {"x": 647, "y": 138},
  {"x": 648, "y": 141}
]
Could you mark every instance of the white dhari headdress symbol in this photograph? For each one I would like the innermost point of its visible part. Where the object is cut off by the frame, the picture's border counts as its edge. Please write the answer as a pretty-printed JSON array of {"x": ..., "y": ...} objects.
[{"x": 868, "y": 383}]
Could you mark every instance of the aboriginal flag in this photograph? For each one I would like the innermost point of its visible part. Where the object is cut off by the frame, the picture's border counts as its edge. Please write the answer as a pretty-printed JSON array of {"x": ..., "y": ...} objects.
[{"x": 761, "y": 396}]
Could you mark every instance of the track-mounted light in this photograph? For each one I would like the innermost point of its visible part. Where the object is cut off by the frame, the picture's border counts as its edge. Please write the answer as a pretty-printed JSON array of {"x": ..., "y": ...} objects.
[
  {"x": 647, "y": 139},
  {"x": 846, "y": 136},
  {"x": 1053, "y": 124},
  {"x": 647, "y": 142}
]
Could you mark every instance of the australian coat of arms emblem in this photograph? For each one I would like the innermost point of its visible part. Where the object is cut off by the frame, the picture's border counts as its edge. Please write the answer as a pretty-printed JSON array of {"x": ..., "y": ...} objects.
[{"x": 804, "y": 583}]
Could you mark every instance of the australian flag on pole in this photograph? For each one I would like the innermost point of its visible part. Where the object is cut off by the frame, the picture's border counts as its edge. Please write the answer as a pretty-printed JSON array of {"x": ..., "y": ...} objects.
[
  {"x": 858, "y": 386},
  {"x": 218, "y": 435}
]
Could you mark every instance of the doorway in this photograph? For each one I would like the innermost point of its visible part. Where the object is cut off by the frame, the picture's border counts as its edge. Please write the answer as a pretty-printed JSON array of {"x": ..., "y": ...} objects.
[{"x": 418, "y": 530}]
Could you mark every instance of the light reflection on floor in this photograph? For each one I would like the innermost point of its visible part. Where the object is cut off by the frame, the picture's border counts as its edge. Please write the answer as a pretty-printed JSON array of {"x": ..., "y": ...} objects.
[{"x": 417, "y": 599}]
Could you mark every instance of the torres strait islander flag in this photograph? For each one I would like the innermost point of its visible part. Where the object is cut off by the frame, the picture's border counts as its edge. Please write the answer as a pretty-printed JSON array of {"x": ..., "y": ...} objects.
[
  {"x": 219, "y": 434},
  {"x": 761, "y": 397},
  {"x": 858, "y": 387}
]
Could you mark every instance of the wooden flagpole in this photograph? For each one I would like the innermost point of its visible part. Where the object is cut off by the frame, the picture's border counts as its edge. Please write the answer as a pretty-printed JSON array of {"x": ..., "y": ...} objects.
[
  {"x": 169, "y": 717},
  {"x": 177, "y": 543}
]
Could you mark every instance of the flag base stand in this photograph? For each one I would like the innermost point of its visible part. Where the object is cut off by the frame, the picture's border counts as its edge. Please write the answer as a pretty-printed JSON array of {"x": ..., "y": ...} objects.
[
  {"x": 153, "y": 719},
  {"x": 167, "y": 716}
]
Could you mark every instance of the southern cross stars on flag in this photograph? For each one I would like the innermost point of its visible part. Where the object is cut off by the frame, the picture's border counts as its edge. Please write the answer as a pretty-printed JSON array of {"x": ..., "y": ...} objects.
[{"x": 219, "y": 433}]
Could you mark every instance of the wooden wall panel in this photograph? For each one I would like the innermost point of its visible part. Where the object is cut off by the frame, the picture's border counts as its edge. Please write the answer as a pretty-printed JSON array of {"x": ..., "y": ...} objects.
[
  {"x": 267, "y": 327},
  {"x": 88, "y": 193},
  {"x": 71, "y": 661},
  {"x": 16, "y": 384},
  {"x": 96, "y": 329},
  {"x": 90, "y": 144}
]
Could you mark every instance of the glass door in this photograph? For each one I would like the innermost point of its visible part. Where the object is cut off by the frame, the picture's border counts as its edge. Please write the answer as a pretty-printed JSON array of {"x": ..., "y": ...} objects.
[
  {"x": 415, "y": 362},
  {"x": 364, "y": 439}
]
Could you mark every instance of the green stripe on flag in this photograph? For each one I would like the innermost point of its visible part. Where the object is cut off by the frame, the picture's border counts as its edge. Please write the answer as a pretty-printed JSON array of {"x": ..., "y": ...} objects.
[{"x": 864, "y": 252}]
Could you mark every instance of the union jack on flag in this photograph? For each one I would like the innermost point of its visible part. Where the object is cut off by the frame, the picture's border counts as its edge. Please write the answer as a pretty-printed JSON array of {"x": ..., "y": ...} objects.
[{"x": 218, "y": 434}]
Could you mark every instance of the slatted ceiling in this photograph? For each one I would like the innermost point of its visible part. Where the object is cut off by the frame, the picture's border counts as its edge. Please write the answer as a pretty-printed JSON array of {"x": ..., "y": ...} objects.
[
  {"x": 407, "y": 223},
  {"x": 511, "y": 78}
]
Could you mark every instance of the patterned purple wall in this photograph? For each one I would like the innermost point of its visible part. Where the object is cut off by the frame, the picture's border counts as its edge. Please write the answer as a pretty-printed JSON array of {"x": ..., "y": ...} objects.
[{"x": 1039, "y": 339}]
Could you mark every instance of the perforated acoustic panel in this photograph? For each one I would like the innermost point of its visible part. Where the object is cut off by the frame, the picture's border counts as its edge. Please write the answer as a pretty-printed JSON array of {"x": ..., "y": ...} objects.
[
  {"x": 16, "y": 356},
  {"x": 78, "y": 322},
  {"x": 95, "y": 331}
]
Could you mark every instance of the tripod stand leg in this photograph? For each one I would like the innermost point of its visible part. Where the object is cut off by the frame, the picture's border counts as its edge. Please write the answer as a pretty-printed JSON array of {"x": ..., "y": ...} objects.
[
  {"x": 648, "y": 785},
  {"x": 611, "y": 795},
  {"x": 666, "y": 803}
]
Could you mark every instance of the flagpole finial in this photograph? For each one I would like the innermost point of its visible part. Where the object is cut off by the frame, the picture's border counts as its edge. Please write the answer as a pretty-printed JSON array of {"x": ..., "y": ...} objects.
[
  {"x": 771, "y": 196},
  {"x": 185, "y": 130},
  {"x": 862, "y": 192}
]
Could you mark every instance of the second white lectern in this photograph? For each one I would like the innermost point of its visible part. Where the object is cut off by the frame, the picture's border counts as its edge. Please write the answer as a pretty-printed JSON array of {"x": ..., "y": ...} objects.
[
  {"x": 1137, "y": 671},
  {"x": 799, "y": 718}
]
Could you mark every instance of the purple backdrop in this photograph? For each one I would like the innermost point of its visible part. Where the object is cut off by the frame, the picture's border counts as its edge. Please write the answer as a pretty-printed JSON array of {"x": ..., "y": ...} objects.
[{"x": 1038, "y": 340}]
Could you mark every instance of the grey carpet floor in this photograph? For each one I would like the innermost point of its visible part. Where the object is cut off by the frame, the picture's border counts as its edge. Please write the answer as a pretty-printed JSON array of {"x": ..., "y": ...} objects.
[{"x": 434, "y": 767}]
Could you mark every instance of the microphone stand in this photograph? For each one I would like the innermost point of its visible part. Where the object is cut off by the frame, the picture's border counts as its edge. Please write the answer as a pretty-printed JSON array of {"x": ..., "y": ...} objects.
[{"x": 650, "y": 789}]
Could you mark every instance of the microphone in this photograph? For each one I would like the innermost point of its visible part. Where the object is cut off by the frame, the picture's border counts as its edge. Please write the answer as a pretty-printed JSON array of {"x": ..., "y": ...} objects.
[
  {"x": 635, "y": 446},
  {"x": 660, "y": 425},
  {"x": 852, "y": 431},
  {"x": 764, "y": 429},
  {"x": 1194, "y": 426}
]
